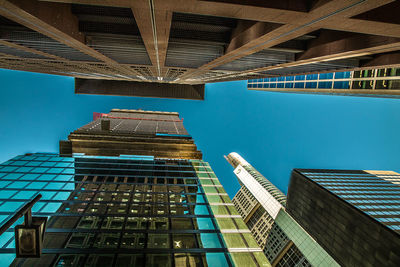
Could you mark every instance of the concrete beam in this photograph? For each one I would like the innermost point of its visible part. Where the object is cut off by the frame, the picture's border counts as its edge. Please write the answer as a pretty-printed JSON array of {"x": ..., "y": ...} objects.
[{"x": 141, "y": 89}]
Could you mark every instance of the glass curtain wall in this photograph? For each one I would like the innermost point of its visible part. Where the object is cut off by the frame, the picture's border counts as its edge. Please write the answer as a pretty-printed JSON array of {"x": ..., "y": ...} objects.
[{"x": 126, "y": 211}]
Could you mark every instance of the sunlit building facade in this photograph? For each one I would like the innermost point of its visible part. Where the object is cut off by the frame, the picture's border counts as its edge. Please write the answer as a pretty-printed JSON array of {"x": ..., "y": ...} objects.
[
  {"x": 353, "y": 214},
  {"x": 126, "y": 209},
  {"x": 263, "y": 209}
]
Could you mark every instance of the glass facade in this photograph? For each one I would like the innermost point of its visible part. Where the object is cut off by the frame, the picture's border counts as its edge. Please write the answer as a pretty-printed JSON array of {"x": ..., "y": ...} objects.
[
  {"x": 108, "y": 207},
  {"x": 262, "y": 207},
  {"x": 312, "y": 251},
  {"x": 336, "y": 80},
  {"x": 346, "y": 213},
  {"x": 375, "y": 193},
  {"x": 126, "y": 211},
  {"x": 347, "y": 81}
]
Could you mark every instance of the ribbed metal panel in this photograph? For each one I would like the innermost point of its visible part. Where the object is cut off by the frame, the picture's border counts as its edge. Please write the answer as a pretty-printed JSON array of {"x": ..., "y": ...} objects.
[
  {"x": 258, "y": 60},
  {"x": 43, "y": 43},
  {"x": 212, "y": 74},
  {"x": 191, "y": 54},
  {"x": 315, "y": 67},
  {"x": 19, "y": 53},
  {"x": 123, "y": 49},
  {"x": 196, "y": 39}
]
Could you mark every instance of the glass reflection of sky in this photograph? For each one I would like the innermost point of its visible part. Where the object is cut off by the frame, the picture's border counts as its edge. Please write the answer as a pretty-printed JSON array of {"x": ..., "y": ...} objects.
[
  {"x": 46, "y": 174},
  {"x": 23, "y": 177}
]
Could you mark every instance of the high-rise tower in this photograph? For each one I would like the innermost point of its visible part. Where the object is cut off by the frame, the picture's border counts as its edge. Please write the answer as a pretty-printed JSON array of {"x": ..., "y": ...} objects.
[
  {"x": 262, "y": 207},
  {"x": 129, "y": 189},
  {"x": 353, "y": 214}
]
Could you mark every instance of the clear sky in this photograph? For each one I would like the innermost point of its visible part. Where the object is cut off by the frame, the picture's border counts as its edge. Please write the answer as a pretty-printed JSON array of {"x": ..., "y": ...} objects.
[{"x": 275, "y": 132}]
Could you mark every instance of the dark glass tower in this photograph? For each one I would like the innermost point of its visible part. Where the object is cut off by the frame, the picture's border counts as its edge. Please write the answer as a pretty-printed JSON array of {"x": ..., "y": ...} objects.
[
  {"x": 354, "y": 215},
  {"x": 130, "y": 189}
]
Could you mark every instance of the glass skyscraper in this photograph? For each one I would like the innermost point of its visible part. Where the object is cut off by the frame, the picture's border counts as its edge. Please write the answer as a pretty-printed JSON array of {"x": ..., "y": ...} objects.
[
  {"x": 353, "y": 214},
  {"x": 263, "y": 209},
  {"x": 129, "y": 189}
]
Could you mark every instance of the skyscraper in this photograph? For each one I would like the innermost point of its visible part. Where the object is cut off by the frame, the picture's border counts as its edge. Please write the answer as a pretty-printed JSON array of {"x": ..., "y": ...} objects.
[
  {"x": 128, "y": 189},
  {"x": 353, "y": 214},
  {"x": 383, "y": 82},
  {"x": 193, "y": 42},
  {"x": 262, "y": 207}
]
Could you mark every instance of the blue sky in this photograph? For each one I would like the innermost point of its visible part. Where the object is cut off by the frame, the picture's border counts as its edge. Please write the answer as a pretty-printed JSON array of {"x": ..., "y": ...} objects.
[{"x": 275, "y": 132}]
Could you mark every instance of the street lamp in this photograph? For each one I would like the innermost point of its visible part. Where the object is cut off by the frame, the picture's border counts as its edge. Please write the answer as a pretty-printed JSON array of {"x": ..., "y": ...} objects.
[{"x": 28, "y": 236}]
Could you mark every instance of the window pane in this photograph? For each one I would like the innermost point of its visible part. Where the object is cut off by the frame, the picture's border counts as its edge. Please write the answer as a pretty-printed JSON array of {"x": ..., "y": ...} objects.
[{"x": 210, "y": 240}]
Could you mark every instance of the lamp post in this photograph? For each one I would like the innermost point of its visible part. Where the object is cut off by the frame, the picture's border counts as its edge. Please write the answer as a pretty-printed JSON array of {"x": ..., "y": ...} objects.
[{"x": 28, "y": 236}]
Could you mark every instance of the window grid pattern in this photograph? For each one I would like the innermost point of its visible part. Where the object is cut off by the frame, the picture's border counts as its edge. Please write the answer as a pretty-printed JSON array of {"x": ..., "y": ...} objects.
[
  {"x": 116, "y": 211},
  {"x": 293, "y": 257},
  {"x": 374, "y": 193},
  {"x": 375, "y": 79},
  {"x": 311, "y": 250},
  {"x": 244, "y": 202},
  {"x": 276, "y": 242},
  {"x": 241, "y": 244},
  {"x": 258, "y": 222}
]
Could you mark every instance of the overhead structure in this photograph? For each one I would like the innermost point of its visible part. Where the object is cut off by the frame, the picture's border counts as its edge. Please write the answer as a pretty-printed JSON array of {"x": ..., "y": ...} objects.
[{"x": 197, "y": 41}]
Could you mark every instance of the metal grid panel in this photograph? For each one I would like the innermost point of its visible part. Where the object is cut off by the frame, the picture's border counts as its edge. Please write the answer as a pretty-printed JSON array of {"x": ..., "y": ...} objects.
[
  {"x": 173, "y": 73},
  {"x": 315, "y": 67},
  {"x": 260, "y": 59},
  {"x": 123, "y": 49},
  {"x": 19, "y": 53},
  {"x": 191, "y": 54},
  {"x": 45, "y": 44}
]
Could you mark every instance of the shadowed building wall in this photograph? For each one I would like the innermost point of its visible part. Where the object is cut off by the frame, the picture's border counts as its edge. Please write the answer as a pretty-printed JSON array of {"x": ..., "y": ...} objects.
[
  {"x": 124, "y": 88},
  {"x": 354, "y": 215}
]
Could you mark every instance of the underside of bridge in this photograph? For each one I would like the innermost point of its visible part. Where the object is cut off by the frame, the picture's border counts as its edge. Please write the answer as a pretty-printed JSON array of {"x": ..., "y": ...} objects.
[{"x": 192, "y": 42}]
